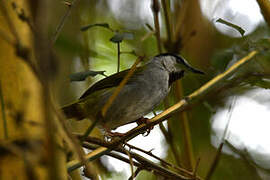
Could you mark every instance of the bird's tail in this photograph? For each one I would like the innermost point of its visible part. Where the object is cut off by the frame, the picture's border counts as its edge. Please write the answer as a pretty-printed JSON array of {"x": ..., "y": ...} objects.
[{"x": 73, "y": 110}]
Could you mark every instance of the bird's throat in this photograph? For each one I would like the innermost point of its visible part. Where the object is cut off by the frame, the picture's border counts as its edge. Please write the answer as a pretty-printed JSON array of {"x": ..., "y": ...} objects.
[{"x": 174, "y": 76}]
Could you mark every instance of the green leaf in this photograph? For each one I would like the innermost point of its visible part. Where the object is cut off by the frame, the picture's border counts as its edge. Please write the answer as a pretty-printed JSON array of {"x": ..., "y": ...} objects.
[
  {"x": 105, "y": 25},
  {"x": 234, "y": 26},
  {"x": 119, "y": 37},
  {"x": 81, "y": 76}
]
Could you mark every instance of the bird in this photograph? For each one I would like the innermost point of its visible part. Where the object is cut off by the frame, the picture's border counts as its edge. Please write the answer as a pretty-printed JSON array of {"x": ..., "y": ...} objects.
[{"x": 144, "y": 91}]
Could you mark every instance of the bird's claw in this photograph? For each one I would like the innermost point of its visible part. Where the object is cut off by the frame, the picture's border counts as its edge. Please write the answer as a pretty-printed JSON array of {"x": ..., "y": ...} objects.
[{"x": 144, "y": 120}]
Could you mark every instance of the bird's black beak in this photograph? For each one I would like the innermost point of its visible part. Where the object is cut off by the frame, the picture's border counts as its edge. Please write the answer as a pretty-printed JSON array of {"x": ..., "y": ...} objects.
[{"x": 194, "y": 70}]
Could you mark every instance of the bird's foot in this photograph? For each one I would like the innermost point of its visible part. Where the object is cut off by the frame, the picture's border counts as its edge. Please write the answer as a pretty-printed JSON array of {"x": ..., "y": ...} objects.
[
  {"x": 144, "y": 120},
  {"x": 110, "y": 134},
  {"x": 114, "y": 134}
]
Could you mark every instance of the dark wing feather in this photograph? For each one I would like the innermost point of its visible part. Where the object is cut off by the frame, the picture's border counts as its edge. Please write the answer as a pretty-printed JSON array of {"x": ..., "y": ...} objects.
[{"x": 108, "y": 82}]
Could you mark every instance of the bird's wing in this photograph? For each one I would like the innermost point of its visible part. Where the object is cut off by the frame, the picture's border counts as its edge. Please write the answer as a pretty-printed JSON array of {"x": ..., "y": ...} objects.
[{"x": 108, "y": 82}]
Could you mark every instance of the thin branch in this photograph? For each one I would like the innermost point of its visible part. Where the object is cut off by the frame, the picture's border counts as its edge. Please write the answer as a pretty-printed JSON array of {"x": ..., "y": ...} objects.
[
  {"x": 180, "y": 106},
  {"x": 138, "y": 170},
  {"x": 63, "y": 21},
  {"x": 148, "y": 153},
  {"x": 130, "y": 163},
  {"x": 215, "y": 162},
  {"x": 156, "y": 9},
  {"x": 218, "y": 154},
  {"x": 229, "y": 119},
  {"x": 170, "y": 139},
  {"x": 112, "y": 154},
  {"x": 196, "y": 167},
  {"x": 145, "y": 162},
  {"x": 183, "y": 118},
  {"x": 158, "y": 158},
  {"x": 164, "y": 131},
  {"x": 139, "y": 166}
]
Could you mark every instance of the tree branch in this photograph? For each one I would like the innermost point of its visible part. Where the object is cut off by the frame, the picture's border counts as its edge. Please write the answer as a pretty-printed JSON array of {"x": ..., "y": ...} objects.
[
  {"x": 146, "y": 164},
  {"x": 62, "y": 21}
]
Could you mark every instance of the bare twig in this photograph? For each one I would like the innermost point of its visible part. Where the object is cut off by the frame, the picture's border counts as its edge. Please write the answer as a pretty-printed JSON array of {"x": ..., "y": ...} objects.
[
  {"x": 196, "y": 167},
  {"x": 62, "y": 21},
  {"x": 215, "y": 162},
  {"x": 138, "y": 170},
  {"x": 126, "y": 160},
  {"x": 168, "y": 137},
  {"x": 158, "y": 158},
  {"x": 180, "y": 106},
  {"x": 113, "y": 154},
  {"x": 229, "y": 119},
  {"x": 218, "y": 154},
  {"x": 148, "y": 153},
  {"x": 131, "y": 164},
  {"x": 145, "y": 162}
]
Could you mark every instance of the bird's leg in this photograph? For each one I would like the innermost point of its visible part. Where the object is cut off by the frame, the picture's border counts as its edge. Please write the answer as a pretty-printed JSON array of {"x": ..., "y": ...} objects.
[
  {"x": 108, "y": 132},
  {"x": 144, "y": 120},
  {"x": 115, "y": 134}
]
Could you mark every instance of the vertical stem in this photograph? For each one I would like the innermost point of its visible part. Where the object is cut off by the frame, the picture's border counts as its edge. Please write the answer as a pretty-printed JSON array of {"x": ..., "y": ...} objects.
[
  {"x": 3, "y": 113},
  {"x": 214, "y": 163},
  {"x": 167, "y": 20},
  {"x": 62, "y": 22},
  {"x": 169, "y": 137},
  {"x": 118, "y": 56},
  {"x": 188, "y": 150},
  {"x": 155, "y": 9}
]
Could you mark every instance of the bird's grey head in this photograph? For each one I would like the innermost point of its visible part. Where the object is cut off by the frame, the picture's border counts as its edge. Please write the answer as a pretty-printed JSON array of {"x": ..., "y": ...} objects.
[{"x": 175, "y": 63}]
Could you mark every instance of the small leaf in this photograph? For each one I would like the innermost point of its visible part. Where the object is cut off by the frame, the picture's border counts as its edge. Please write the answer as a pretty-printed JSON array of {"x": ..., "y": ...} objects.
[
  {"x": 119, "y": 37},
  {"x": 234, "y": 26},
  {"x": 81, "y": 76},
  {"x": 105, "y": 25}
]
